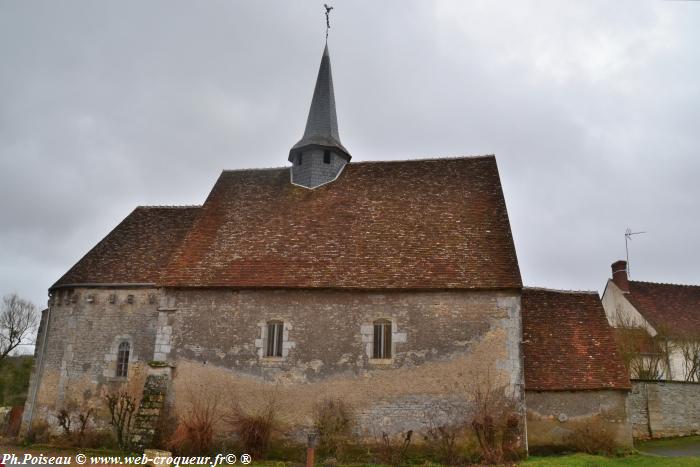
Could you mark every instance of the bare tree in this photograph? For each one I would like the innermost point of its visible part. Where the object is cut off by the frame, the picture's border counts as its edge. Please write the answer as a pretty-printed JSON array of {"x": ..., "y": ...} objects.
[
  {"x": 18, "y": 319},
  {"x": 689, "y": 349},
  {"x": 645, "y": 357}
]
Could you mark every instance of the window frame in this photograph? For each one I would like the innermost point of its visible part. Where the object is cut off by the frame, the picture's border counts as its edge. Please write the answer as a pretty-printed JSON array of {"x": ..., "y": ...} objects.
[
  {"x": 274, "y": 339},
  {"x": 326, "y": 156},
  {"x": 123, "y": 357},
  {"x": 382, "y": 339}
]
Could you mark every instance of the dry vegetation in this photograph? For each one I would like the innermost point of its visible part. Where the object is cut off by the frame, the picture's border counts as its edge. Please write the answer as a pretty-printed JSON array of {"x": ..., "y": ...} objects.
[
  {"x": 194, "y": 434},
  {"x": 334, "y": 421}
]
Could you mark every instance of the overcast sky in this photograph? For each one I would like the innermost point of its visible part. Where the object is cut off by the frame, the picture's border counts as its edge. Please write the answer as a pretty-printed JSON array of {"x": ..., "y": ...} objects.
[{"x": 592, "y": 109}]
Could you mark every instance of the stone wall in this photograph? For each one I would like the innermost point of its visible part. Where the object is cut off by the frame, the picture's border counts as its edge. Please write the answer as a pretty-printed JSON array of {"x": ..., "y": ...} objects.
[
  {"x": 78, "y": 362},
  {"x": 553, "y": 417},
  {"x": 660, "y": 409},
  {"x": 150, "y": 411},
  {"x": 444, "y": 344}
]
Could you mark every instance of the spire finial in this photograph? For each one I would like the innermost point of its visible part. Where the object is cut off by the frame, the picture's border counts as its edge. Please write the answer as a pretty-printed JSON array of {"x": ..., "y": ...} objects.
[{"x": 328, "y": 20}]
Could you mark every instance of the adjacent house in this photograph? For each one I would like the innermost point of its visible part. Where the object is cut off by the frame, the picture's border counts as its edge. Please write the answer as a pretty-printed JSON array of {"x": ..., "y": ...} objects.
[
  {"x": 575, "y": 379},
  {"x": 658, "y": 326}
]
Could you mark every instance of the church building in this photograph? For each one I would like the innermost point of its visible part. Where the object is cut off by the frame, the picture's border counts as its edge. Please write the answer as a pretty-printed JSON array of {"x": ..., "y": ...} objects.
[{"x": 392, "y": 285}]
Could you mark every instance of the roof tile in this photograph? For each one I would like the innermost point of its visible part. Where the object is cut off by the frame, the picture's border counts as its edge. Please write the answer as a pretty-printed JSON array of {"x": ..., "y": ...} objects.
[
  {"x": 568, "y": 344},
  {"x": 672, "y": 309},
  {"x": 136, "y": 250},
  {"x": 423, "y": 224}
]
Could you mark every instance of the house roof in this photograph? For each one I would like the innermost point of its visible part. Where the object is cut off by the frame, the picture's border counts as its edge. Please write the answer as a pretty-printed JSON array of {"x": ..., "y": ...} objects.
[
  {"x": 568, "y": 344},
  {"x": 425, "y": 224},
  {"x": 672, "y": 309},
  {"x": 136, "y": 250}
]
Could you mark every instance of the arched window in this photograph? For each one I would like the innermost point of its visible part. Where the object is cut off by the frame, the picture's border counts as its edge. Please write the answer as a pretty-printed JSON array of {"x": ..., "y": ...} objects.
[
  {"x": 123, "y": 359},
  {"x": 382, "y": 339},
  {"x": 275, "y": 334}
]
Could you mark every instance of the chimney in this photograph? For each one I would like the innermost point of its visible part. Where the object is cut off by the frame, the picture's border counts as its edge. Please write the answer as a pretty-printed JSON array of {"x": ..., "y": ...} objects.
[{"x": 619, "y": 275}]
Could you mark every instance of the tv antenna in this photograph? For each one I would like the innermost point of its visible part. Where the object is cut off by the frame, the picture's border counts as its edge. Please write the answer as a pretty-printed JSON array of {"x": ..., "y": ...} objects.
[{"x": 628, "y": 238}]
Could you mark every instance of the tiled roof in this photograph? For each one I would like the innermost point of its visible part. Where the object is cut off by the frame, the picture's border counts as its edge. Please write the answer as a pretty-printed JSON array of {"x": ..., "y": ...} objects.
[
  {"x": 673, "y": 310},
  {"x": 568, "y": 344},
  {"x": 423, "y": 224},
  {"x": 135, "y": 251}
]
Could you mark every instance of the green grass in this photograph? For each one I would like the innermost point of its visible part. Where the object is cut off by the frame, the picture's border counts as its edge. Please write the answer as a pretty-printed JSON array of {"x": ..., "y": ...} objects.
[
  {"x": 570, "y": 460},
  {"x": 587, "y": 460},
  {"x": 669, "y": 442}
]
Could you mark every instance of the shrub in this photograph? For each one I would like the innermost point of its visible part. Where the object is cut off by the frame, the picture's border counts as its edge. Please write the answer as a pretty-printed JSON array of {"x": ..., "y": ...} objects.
[
  {"x": 194, "y": 434},
  {"x": 496, "y": 424},
  {"x": 254, "y": 430},
  {"x": 592, "y": 437},
  {"x": 98, "y": 439},
  {"x": 393, "y": 450},
  {"x": 444, "y": 441},
  {"x": 39, "y": 432},
  {"x": 74, "y": 425},
  {"x": 333, "y": 421},
  {"x": 122, "y": 406}
]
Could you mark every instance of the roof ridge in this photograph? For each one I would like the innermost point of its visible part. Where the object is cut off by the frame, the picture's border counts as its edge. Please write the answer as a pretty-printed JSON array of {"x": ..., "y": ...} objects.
[
  {"x": 665, "y": 283},
  {"x": 427, "y": 159},
  {"x": 168, "y": 206},
  {"x": 545, "y": 289},
  {"x": 386, "y": 161},
  {"x": 255, "y": 169}
]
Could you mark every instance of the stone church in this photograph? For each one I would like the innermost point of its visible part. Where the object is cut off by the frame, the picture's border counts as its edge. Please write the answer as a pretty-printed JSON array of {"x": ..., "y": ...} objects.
[{"x": 392, "y": 285}]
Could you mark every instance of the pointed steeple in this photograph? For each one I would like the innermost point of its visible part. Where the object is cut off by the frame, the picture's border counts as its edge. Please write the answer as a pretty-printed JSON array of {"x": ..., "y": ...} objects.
[{"x": 322, "y": 124}]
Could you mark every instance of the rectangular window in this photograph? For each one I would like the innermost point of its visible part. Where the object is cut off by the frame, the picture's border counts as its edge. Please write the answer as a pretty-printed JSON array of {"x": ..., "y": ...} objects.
[
  {"x": 123, "y": 359},
  {"x": 382, "y": 339},
  {"x": 300, "y": 160},
  {"x": 275, "y": 331},
  {"x": 326, "y": 157}
]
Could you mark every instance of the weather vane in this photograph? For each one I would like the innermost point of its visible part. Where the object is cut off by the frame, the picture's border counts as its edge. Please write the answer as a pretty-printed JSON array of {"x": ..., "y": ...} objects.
[{"x": 328, "y": 20}]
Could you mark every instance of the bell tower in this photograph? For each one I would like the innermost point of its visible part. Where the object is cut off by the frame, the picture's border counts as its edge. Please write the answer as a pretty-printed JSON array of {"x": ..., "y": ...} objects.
[{"x": 319, "y": 157}]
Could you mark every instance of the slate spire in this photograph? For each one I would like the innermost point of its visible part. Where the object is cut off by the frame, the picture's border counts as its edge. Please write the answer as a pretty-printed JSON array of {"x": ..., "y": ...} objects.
[{"x": 322, "y": 124}]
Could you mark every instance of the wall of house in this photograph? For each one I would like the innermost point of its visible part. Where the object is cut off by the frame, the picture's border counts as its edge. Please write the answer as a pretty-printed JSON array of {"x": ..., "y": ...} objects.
[
  {"x": 77, "y": 363},
  {"x": 445, "y": 344},
  {"x": 554, "y": 418},
  {"x": 681, "y": 368},
  {"x": 620, "y": 312},
  {"x": 660, "y": 409}
]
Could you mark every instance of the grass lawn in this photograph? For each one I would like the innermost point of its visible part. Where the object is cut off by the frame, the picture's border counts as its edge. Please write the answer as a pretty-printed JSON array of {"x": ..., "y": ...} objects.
[
  {"x": 587, "y": 460},
  {"x": 572, "y": 460}
]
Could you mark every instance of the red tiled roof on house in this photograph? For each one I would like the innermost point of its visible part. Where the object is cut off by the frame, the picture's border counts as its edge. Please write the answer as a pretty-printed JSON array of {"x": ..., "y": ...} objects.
[
  {"x": 135, "y": 251},
  {"x": 422, "y": 224},
  {"x": 568, "y": 344},
  {"x": 673, "y": 310}
]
